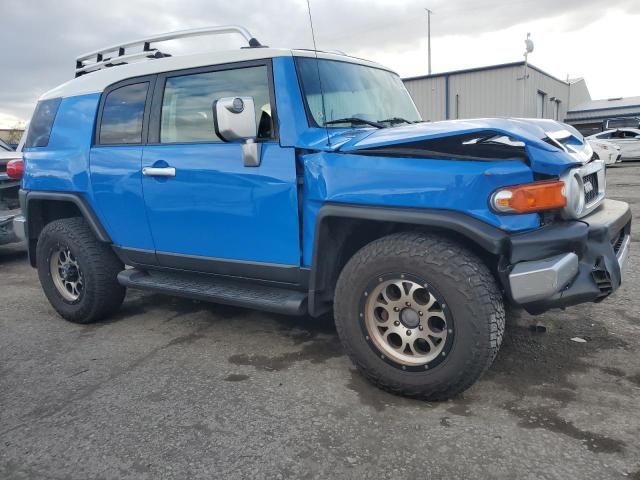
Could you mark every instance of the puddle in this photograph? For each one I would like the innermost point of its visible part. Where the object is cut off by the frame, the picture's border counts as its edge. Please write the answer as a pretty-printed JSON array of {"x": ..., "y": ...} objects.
[
  {"x": 315, "y": 351},
  {"x": 547, "y": 419}
]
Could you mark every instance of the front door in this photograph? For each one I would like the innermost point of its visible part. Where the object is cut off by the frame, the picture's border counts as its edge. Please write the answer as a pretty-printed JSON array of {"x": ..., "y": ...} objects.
[{"x": 206, "y": 210}]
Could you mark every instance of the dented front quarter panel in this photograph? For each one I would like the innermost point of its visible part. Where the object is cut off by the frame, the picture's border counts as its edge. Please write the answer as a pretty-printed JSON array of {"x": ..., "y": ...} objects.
[
  {"x": 544, "y": 158},
  {"x": 462, "y": 186}
]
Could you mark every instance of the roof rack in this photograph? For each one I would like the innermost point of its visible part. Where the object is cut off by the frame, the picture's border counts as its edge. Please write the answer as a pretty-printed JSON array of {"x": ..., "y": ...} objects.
[{"x": 117, "y": 54}]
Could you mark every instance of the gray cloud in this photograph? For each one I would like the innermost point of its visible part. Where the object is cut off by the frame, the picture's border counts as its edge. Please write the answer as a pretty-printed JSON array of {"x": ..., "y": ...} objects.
[{"x": 40, "y": 39}]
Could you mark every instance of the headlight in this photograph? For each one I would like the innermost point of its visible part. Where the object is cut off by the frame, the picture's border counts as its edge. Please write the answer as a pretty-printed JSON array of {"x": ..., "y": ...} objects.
[{"x": 574, "y": 191}]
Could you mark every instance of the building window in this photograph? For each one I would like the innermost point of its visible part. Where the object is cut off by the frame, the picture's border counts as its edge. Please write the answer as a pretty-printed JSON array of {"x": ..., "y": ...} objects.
[
  {"x": 556, "y": 110},
  {"x": 540, "y": 104}
]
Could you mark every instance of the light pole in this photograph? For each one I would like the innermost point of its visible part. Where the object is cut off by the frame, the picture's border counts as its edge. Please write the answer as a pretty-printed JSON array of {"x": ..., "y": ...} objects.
[{"x": 429, "y": 12}]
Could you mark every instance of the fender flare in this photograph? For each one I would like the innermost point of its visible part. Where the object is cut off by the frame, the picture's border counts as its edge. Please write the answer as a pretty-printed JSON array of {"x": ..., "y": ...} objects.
[
  {"x": 489, "y": 238},
  {"x": 28, "y": 196}
]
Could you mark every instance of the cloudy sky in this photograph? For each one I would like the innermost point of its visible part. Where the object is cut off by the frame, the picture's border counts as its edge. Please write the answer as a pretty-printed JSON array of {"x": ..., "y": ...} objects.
[{"x": 582, "y": 38}]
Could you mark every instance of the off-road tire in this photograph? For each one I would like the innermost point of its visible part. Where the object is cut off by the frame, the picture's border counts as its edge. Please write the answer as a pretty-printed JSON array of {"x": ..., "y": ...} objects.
[
  {"x": 102, "y": 295},
  {"x": 466, "y": 285}
]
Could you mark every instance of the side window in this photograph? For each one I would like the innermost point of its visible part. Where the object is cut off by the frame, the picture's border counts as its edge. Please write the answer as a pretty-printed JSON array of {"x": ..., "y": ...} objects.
[
  {"x": 604, "y": 136},
  {"x": 122, "y": 115},
  {"x": 42, "y": 123},
  {"x": 187, "y": 104}
]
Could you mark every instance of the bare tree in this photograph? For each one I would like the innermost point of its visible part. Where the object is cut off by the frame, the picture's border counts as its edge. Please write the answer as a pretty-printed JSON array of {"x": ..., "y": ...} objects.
[{"x": 15, "y": 133}]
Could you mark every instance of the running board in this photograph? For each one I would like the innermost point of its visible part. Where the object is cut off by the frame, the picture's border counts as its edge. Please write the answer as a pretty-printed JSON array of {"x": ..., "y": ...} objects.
[{"x": 217, "y": 290}]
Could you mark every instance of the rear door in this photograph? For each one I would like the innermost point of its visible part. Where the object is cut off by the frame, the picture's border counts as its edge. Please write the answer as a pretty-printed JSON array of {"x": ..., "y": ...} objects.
[
  {"x": 213, "y": 213},
  {"x": 116, "y": 162},
  {"x": 629, "y": 143}
]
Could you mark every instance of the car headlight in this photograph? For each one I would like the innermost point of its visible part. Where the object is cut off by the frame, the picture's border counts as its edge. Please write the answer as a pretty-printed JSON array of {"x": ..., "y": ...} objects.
[{"x": 574, "y": 192}]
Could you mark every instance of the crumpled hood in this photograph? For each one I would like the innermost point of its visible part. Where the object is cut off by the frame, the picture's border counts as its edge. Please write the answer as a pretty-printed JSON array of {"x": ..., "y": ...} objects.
[{"x": 551, "y": 146}]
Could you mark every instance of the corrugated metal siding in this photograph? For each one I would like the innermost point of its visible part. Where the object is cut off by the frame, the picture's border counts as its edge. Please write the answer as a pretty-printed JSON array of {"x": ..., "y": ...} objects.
[
  {"x": 488, "y": 93},
  {"x": 429, "y": 96},
  {"x": 552, "y": 88}
]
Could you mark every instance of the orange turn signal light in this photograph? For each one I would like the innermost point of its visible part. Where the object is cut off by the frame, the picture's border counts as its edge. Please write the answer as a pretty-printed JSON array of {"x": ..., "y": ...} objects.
[{"x": 530, "y": 197}]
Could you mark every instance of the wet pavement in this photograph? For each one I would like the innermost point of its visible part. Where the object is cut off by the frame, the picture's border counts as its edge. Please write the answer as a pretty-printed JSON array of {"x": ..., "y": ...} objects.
[{"x": 172, "y": 388}]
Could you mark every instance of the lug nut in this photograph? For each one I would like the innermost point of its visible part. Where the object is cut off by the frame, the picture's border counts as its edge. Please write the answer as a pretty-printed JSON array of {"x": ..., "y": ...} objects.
[
  {"x": 396, "y": 309},
  {"x": 420, "y": 313},
  {"x": 396, "y": 323},
  {"x": 420, "y": 327},
  {"x": 408, "y": 332},
  {"x": 408, "y": 304}
]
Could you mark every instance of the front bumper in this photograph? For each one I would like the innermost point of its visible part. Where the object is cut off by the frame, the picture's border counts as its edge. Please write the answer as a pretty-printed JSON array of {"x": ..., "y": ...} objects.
[{"x": 570, "y": 262}]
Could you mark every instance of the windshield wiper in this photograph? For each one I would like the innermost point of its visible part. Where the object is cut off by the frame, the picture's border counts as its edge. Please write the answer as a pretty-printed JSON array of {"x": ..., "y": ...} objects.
[
  {"x": 393, "y": 120},
  {"x": 354, "y": 120}
]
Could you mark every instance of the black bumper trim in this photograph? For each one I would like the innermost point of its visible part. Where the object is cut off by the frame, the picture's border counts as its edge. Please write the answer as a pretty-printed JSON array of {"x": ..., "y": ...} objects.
[{"x": 592, "y": 238}]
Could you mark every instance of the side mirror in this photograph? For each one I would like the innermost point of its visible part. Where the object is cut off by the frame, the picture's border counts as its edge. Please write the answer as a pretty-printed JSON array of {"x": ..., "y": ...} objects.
[{"x": 234, "y": 119}]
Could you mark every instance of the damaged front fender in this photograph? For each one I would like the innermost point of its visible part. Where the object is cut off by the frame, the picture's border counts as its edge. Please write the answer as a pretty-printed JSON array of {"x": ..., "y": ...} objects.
[{"x": 547, "y": 146}]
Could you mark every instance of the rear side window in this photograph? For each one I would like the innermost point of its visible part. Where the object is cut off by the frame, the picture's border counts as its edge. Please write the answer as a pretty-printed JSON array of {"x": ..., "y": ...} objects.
[
  {"x": 42, "y": 123},
  {"x": 122, "y": 115}
]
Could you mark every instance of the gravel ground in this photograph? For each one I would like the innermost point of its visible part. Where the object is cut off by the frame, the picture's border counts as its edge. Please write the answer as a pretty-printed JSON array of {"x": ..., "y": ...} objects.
[{"x": 172, "y": 388}]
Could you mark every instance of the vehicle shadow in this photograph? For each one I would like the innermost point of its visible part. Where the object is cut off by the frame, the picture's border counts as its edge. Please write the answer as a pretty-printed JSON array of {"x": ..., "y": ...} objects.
[{"x": 13, "y": 253}]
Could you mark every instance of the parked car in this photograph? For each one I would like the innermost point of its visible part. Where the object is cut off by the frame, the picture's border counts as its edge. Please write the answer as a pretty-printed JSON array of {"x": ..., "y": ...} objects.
[
  {"x": 608, "y": 152},
  {"x": 10, "y": 173},
  {"x": 303, "y": 182},
  {"x": 628, "y": 139}
]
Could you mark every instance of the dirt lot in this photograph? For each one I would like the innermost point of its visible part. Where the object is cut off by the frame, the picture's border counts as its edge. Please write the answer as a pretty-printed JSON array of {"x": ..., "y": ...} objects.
[{"x": 177, "y": 389}]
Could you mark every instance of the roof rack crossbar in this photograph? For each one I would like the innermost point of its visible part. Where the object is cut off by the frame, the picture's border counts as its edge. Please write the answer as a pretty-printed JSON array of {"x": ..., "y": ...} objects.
[{"x": 97, "y": 60}]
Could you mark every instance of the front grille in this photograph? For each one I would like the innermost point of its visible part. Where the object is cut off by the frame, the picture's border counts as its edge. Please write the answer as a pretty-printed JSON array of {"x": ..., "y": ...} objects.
[{"x": 591, "y": 189}]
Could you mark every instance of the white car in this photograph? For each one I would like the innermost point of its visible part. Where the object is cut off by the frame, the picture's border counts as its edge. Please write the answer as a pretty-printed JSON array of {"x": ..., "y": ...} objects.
[
  {"x": 628, "y": 139},
  {"x": 608, "y": 152}
]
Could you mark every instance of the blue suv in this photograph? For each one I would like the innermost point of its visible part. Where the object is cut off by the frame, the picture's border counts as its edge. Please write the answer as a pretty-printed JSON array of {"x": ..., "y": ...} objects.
[{"x": 303, "y": 183}]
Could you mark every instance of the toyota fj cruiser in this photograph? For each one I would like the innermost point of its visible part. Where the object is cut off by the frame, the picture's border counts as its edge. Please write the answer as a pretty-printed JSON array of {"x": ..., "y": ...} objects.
[{"x": 304, "y": 182}]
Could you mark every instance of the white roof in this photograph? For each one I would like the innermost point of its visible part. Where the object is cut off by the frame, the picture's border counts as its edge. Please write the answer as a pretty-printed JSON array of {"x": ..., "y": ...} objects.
[{"x": 96, "y": 82}]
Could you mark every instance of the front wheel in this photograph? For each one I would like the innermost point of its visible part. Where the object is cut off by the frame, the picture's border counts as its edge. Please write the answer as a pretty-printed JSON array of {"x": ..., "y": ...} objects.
[
  {"x": 78, "y": 273},
  {"x": 419, "y": 315}
]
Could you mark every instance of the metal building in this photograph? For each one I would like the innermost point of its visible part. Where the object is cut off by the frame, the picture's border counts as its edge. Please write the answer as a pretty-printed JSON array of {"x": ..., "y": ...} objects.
[
  {"x": 518, "y": 90},
  {"x": 592, "y": 116},
  {"x": 506, "y": 90}
]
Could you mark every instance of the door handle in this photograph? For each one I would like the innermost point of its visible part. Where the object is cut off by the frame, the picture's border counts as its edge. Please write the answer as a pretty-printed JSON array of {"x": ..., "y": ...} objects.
[{"x": 159, "y": 171}]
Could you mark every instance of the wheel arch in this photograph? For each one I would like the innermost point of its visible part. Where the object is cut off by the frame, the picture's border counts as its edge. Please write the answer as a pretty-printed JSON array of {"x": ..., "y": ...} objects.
[
  {"x": 341, "y": 230},
  {"x": 41, "y": 208}
]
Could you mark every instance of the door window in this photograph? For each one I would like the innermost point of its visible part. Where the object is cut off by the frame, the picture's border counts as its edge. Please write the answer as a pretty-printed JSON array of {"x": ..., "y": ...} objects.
[
  {"x": 122, "y": 115},
  {"x": 187, "y": 104}
]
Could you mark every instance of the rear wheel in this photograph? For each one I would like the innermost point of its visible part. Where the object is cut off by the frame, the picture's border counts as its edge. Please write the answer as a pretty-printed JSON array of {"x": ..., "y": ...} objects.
[
  {"x": 78, "y": 273},
  {"x": 419, "y": 315}
]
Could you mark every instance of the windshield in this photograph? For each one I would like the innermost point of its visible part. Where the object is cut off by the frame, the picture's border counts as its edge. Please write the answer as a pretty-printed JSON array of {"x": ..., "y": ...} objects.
[{"x": 354, "y": 91}]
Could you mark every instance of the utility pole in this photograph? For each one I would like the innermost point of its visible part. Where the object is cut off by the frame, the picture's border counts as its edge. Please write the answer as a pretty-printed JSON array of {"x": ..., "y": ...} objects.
[{"x": 429, "y": 12}]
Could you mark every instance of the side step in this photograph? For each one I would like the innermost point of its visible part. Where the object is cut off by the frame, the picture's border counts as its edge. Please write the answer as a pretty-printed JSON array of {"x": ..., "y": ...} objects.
[{"x": 217, "y": 290}]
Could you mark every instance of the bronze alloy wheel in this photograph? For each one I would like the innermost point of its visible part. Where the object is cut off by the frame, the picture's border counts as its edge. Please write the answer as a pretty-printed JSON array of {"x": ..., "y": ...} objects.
[
  {"x": 66, "y": 273},
  {"x": 406, "y": 321}
]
